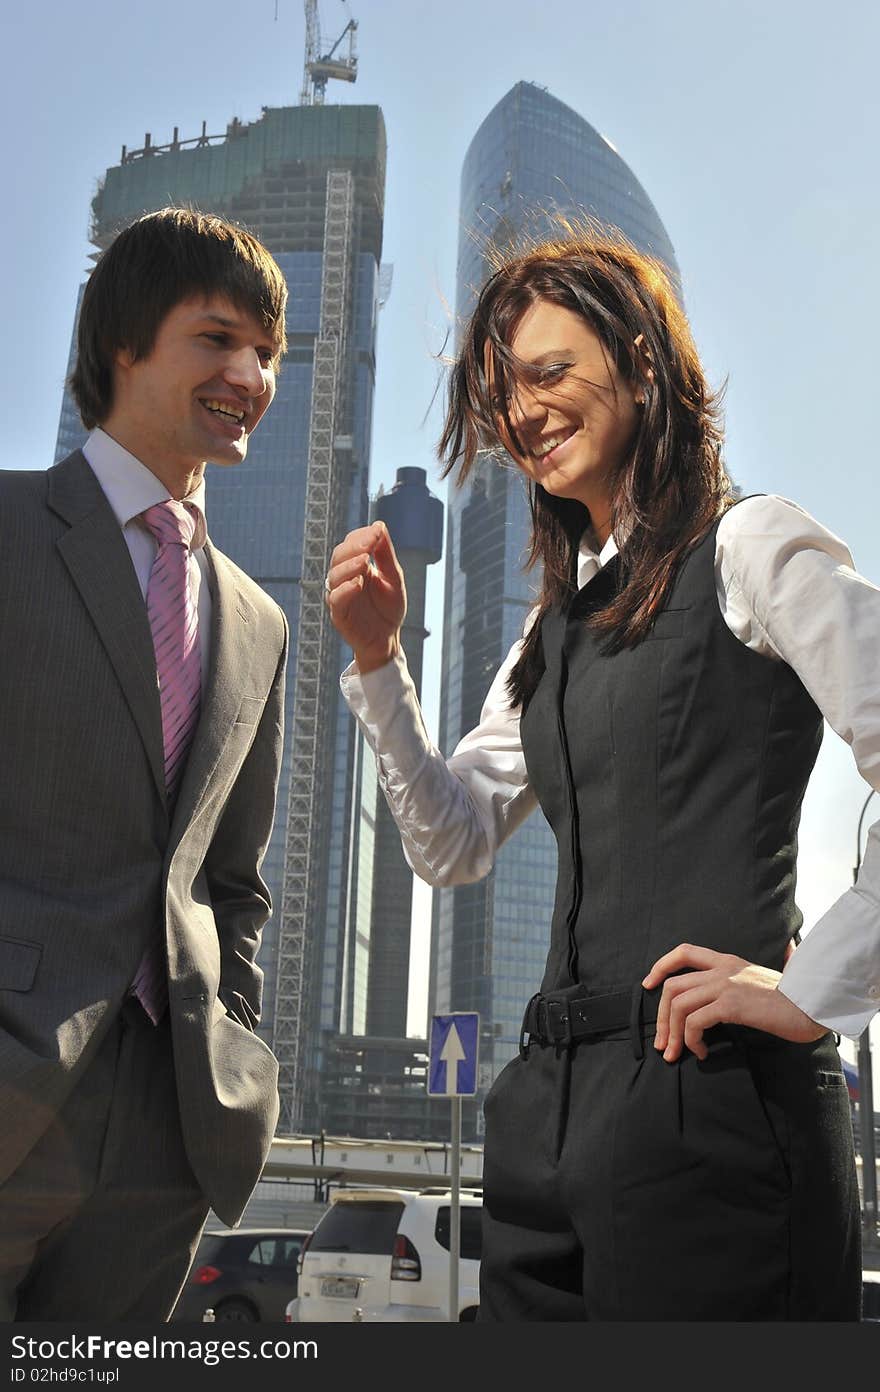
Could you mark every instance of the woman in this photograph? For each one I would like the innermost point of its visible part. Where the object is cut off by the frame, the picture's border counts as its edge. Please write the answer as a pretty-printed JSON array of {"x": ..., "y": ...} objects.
[{"x": 664, "y": 707}]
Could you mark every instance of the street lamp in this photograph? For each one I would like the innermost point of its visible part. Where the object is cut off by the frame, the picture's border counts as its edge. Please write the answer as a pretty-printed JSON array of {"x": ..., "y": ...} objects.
[{"x": 866, "y": 1096}]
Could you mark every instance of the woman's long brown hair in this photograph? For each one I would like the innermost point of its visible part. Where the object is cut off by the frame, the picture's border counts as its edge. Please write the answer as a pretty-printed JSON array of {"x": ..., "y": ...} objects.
[{"x": 670, "y": 488}]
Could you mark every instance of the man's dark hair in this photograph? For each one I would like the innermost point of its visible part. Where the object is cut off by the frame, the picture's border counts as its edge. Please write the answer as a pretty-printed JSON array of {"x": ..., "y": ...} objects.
[{"x": 153, "y": 265}]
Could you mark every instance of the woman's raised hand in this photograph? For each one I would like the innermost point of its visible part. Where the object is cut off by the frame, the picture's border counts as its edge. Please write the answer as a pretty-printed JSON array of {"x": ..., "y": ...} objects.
[{"x": 366, "y": 595}]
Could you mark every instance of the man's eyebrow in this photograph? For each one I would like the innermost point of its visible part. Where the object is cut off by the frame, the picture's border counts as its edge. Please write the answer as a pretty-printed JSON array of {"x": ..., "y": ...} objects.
[
  {"x": 234, "y": 324},
  {"x": 219, "y": 319}
]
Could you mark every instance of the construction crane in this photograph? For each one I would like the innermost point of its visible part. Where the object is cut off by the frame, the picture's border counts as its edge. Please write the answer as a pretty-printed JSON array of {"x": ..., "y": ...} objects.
[{"x": 320, "y": 67}]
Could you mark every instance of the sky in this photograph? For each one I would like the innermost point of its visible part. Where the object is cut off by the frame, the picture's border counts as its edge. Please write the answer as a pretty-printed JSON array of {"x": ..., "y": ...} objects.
[{"x": 752, "y": 124}]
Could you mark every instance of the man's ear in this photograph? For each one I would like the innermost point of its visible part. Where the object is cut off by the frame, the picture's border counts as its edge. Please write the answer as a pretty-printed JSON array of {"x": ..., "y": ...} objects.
[{"x": 123, "y": 357}]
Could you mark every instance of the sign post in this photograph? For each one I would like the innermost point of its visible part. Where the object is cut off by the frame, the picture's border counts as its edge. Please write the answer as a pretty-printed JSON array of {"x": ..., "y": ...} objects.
[{"x": 452, "y": 1073}]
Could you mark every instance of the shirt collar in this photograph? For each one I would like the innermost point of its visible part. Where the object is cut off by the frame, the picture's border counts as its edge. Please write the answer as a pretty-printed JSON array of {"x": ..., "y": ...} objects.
[
  {"x": 129, "y": 486},
  {"x": 591, "y": 559}
]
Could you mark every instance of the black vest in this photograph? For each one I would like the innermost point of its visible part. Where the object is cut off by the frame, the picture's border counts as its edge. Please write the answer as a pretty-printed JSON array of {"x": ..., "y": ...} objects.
[{"x": 672, "y": 775}]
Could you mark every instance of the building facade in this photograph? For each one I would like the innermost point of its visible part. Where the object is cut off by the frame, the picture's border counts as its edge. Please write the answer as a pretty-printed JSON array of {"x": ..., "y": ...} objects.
[
  {"x": 309, "y": 181},
  {"x": 374, "y": 1077},
  {"x": 532, "y": 160}
]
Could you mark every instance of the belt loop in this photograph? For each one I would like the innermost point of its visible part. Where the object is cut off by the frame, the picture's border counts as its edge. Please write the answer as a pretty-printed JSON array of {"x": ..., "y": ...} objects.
[
  {"x": 635, "y": 1021},
  {"x": 524, "y": 1029}
]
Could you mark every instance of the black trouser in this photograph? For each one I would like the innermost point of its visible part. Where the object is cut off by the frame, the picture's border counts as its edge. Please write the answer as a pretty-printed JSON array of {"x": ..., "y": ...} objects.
[
  {"x": 619, "y": 1187},
  {"x": 101, "y": 1219}
]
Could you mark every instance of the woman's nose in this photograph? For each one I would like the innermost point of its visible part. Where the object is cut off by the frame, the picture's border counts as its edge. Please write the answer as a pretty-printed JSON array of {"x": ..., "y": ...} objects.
[{"x": 525, "y": 408}]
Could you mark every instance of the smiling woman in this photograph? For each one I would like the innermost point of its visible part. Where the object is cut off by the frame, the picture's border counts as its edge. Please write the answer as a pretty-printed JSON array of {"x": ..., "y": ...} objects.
[{"x": 664, "y": 709}]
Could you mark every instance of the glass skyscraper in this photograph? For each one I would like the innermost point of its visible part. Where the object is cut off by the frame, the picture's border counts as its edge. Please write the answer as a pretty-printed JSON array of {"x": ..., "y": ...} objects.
[
  {"x": 272, "y": 176},
  {"x": 531, "y": 160}
]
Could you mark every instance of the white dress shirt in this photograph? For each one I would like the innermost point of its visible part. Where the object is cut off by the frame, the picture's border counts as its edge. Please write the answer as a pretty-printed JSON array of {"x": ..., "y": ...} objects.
[
  {"x": 130, "y": 488},
  {"x": 786, "y": 588}
]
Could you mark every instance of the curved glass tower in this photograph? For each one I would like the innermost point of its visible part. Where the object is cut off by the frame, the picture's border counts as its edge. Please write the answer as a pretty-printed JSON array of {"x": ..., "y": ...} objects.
[{"x": 531, "y": 159}]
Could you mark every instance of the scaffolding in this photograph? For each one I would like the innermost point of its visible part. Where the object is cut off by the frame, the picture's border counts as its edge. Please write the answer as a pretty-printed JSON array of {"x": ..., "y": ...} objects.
[{"x": 311, "y": 739}]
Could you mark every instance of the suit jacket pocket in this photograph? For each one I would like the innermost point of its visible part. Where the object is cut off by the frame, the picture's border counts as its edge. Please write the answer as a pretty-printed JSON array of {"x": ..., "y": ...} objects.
[
  {"x": 251, "y": 709},
  {"x": 18, "y": 964}
]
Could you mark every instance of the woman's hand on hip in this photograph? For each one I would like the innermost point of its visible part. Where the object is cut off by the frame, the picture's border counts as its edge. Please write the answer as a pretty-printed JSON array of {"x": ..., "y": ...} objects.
[
  {"x": 366, "y": 595},
  {"x": 718, "y": 988}
]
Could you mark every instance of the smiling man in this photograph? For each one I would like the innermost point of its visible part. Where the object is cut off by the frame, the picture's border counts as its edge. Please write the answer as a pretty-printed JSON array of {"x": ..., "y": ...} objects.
[{"x": 141, "y": 705}]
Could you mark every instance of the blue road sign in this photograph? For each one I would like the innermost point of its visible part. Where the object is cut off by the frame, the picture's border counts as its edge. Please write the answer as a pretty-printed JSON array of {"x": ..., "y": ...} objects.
[{"x": 454, "y": 1045}]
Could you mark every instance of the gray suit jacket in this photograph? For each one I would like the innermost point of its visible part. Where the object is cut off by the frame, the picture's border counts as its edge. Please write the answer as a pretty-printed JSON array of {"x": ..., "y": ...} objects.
[{"x": 91, "y": 866}]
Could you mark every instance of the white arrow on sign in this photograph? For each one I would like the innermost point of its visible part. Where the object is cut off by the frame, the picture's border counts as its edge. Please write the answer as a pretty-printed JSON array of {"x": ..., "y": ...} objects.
[{"x": 451, "y": 1054}]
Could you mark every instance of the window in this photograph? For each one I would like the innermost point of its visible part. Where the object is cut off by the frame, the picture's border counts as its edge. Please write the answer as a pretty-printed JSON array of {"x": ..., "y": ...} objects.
[
  {"x": 471, "y": 1229},
  {"x": 367, "y": 1226},
  {"x": 263, "y": 1252},
  {"x": 288, "y": 1250}
]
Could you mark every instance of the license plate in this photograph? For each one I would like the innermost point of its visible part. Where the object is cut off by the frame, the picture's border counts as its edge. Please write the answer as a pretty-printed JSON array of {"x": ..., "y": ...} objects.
[{"x": 344, "y": 1286}]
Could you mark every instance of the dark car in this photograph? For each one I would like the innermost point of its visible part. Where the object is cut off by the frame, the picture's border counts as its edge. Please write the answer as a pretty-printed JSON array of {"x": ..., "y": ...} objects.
[{"x": 246, "y": 1274}]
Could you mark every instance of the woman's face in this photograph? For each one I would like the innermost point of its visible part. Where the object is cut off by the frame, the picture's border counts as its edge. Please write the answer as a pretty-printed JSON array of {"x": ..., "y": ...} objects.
[{"x": 578, "y": 421}]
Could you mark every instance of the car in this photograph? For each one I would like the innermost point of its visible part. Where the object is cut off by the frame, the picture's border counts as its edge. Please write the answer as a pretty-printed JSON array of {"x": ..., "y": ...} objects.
[
  {"x": 383, "y": 1254},
  {"x": 246, "y": 1274},
  {"x": 871, "y": 1295}
]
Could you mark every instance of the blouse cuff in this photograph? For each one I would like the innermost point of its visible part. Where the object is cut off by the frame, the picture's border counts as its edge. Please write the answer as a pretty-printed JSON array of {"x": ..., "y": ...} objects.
[{"x": 386, "y": 705}]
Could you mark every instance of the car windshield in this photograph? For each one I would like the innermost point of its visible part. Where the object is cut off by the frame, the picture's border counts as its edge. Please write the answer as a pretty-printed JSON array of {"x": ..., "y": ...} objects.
[{"x": 366, "y": 1226}]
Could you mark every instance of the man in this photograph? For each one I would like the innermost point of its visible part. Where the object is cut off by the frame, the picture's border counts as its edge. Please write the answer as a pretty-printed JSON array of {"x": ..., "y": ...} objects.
[{"x": 141, "y": 701}]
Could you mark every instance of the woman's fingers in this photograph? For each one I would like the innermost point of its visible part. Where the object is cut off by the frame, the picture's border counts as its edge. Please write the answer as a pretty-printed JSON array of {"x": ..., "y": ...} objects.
[
  {"x": 369, "y": 552},
  {"x": 693, "y": 961},
  {"x": 698, "y": 1021},
  {"x": 383, "y": 552},
  {"x": 685, "y": 955},
  {"x": 374, "y": 542},
  {"x": 667, "y": 1017},
  {"x": 340, "y": 599},
  {"x": 695, "y": 997},
  {"x": 358, "y": 542},
  {"x": 348, "y": 569},
  {"x": 718, "y": 988}
]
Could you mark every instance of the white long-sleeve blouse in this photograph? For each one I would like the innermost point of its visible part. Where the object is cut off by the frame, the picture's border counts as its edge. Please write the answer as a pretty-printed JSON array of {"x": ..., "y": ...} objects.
[{"x": 786, "y": 588}]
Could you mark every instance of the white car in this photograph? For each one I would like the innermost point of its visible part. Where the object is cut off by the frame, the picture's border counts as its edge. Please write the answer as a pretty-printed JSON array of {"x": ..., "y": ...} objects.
[{"x": 383, "y": 1254}]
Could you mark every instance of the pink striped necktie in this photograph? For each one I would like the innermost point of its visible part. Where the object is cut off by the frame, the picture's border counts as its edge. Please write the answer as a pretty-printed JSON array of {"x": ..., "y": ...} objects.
[{"x": 175, "y": 628}]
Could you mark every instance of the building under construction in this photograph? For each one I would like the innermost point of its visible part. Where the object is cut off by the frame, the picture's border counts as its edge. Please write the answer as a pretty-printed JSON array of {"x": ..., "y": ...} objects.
[{"x": 309, "y": 181}]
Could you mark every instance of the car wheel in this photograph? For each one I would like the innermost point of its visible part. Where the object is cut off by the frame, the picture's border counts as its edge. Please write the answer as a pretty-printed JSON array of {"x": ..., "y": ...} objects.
[
  {"x": 236, "y": 1310},
  {"x": 469, "y": 1315}
]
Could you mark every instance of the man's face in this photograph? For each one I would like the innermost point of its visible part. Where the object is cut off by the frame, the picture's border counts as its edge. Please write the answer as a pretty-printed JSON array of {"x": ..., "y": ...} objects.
[{"x": 200, "y": 393}]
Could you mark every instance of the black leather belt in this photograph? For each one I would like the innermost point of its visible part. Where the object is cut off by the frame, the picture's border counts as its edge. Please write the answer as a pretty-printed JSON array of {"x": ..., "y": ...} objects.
[{"x": 565, "y": 1018}]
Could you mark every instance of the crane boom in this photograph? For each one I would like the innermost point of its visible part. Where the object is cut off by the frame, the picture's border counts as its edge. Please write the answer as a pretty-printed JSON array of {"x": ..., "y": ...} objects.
[{"x": 320, "y": 67}]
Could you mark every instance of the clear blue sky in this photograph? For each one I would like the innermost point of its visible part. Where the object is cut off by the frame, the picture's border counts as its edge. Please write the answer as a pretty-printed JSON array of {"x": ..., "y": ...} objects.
[{"x": 753, "y": 124}]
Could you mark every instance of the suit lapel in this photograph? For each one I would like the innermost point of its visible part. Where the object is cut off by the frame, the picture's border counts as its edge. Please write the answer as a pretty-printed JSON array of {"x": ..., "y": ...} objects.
[
  {"x": 234, "y": 633},
  {"x": 98, "y": 560}
]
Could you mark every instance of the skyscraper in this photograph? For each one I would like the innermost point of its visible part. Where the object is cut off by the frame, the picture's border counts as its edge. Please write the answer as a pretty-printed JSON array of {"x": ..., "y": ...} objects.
[
  {"x": 309, "y": 181},
  {"x": 414, "y": 518},
  {"x": 532, "y": 159},
  {"x": 374, "y": 1078}
]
